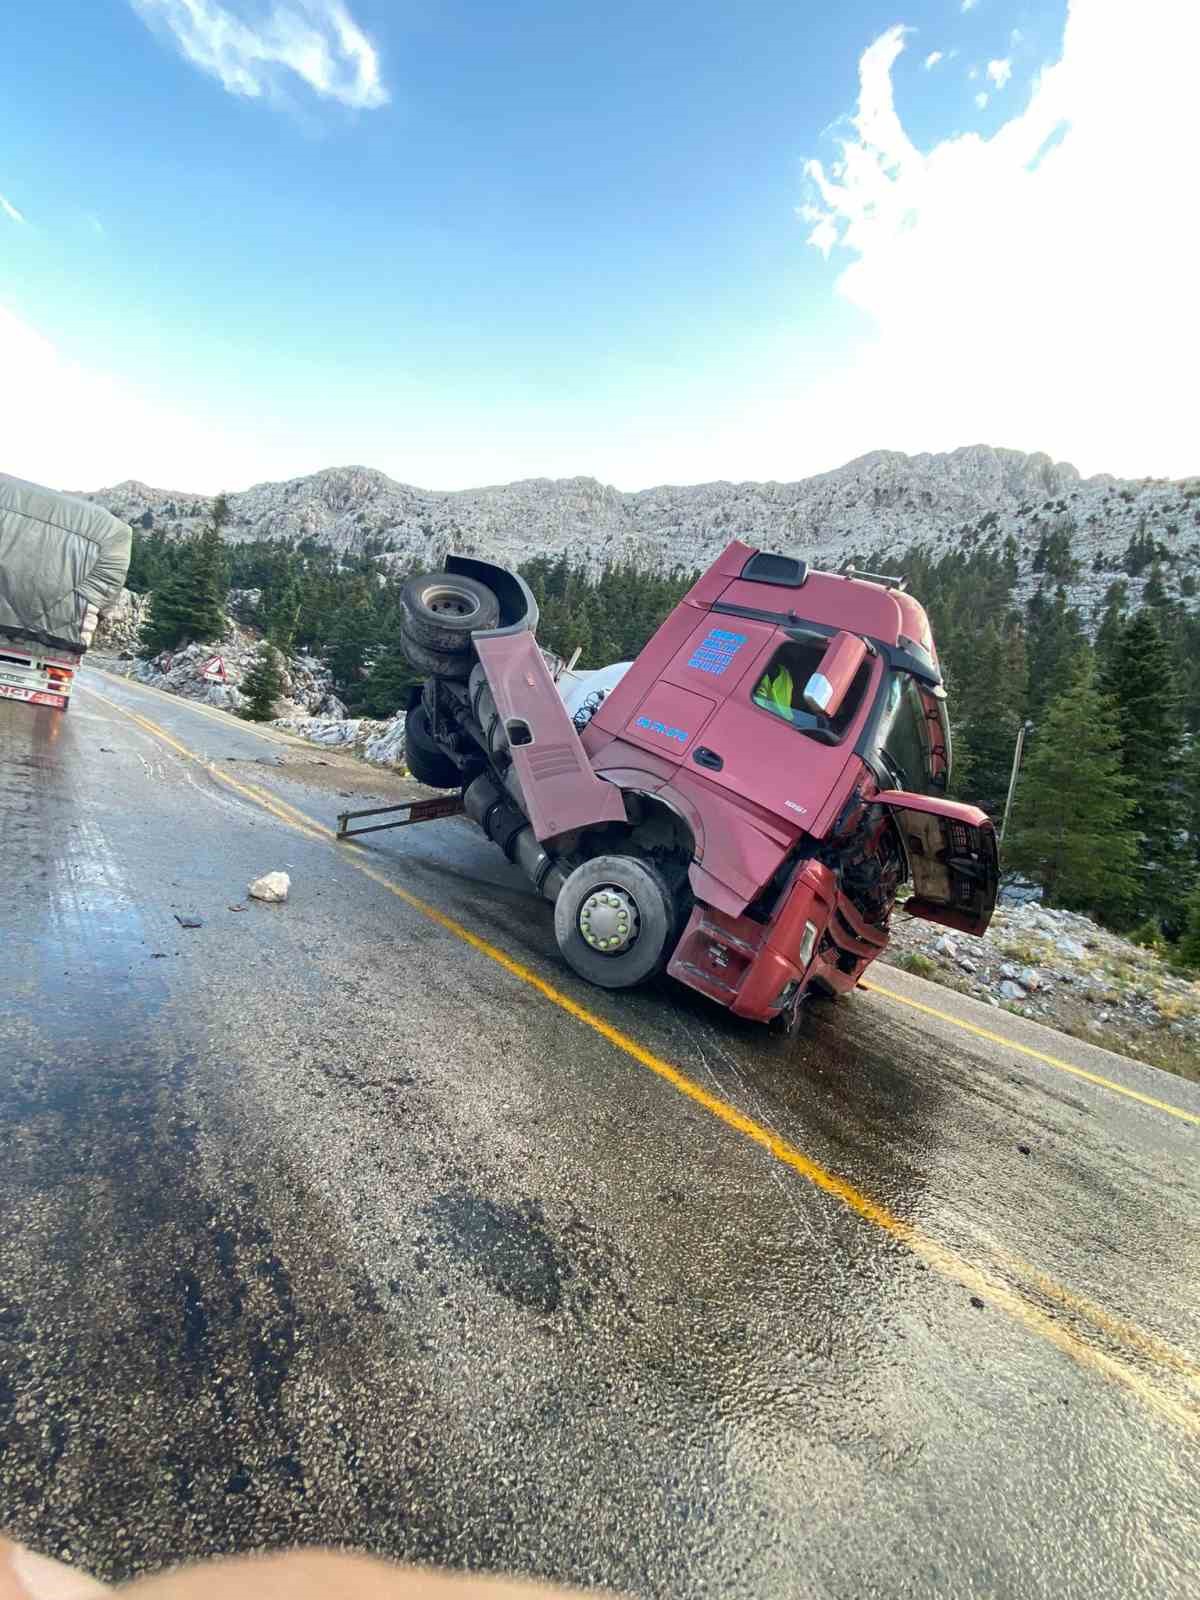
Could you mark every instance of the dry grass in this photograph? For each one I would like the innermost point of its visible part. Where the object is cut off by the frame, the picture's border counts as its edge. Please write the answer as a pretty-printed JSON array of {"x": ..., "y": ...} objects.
[
  {"x": 1156, "y": 1047},
  {"x": 919, "y": 965}
]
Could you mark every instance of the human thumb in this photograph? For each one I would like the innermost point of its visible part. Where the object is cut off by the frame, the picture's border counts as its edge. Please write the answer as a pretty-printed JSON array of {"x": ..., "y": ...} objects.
[{"x": 25, "y": 1575}]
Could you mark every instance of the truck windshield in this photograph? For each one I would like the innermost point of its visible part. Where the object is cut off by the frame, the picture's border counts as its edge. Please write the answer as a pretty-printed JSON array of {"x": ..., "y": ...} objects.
[
  {"x": 913, "y": 738},
  {"x": 780, "y": 689}
]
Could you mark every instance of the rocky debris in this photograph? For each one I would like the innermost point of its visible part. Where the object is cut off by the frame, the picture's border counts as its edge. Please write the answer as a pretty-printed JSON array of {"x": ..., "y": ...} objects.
[
  {"x": 307, "y": 684},
  {"x": 272, "y": 887},
  {"x": 243, "y": 604},
  {"x": 119, "y": 626},
  {"x": 1061, "y": 968},
  {"x": 946, "y": 501},
  {"x": 386, "y": 749},
  {"x": 381, "y": 743},
  {"x": 348, "y": 733}
]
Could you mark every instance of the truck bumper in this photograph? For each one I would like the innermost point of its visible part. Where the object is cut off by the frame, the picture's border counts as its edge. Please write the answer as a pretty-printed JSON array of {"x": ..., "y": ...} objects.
[
  {"x": 35, "y": 697},
  {"x": 815, "y": 939}
]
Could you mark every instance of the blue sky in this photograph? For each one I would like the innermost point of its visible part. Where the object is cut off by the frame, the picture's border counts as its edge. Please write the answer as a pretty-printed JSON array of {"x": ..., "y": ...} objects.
[{"x": 469, "y": 242}]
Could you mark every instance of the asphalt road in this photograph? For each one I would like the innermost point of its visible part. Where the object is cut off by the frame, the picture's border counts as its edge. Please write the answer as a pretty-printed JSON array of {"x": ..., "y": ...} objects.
[{"x": 360, "y": 1220}]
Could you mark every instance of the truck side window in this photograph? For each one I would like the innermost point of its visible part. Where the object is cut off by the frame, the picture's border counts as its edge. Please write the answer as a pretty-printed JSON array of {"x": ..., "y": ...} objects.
[
  {"x": 913, "y": 737},
  {"x": 780, "y": 689}
]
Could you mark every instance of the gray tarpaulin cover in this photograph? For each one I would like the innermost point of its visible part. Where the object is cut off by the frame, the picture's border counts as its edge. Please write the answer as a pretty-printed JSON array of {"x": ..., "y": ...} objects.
[{"x": 58, "y": 556}]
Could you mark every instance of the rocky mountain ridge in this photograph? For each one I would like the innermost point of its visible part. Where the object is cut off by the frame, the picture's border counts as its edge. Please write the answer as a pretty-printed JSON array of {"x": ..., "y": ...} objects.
[{"x": 959, "y": 499}]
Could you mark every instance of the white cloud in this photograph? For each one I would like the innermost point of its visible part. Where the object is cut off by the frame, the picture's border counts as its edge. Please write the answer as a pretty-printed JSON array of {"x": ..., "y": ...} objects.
[
  {"x": 317, "y": 41},
  {"x": 1015, "y": 38},
  {"x": 968, "y": 5},
  {"x": 1000, "y": 302},
  {"x": 932, "y": 59},
  {"x": 972, "y": 74},
  {"x": 999, "y": 72},
  {"x": 981, "y": 99},
  {"x": 75, "y": 428},
  {"x": 10, "y": 210}
]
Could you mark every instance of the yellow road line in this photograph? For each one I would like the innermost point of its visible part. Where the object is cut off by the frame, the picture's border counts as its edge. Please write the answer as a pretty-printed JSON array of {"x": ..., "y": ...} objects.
[
  {"x": 1027, "y": 1050},
  {"x": 943, "y": 1260},
  {"x": 224, "y": 719}
]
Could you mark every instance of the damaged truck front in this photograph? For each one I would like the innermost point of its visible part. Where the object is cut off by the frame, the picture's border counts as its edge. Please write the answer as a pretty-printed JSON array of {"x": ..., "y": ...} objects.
[{"x": 739, "y": 806}]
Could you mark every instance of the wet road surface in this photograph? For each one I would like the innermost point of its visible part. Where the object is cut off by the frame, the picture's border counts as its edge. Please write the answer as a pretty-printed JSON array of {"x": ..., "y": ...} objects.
[{"x": 319, "y": 1223}]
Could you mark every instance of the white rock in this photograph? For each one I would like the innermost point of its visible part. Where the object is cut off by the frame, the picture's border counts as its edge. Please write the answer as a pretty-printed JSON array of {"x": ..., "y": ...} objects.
[
  {"x": 1071, "y": 948},
  {"x": 1011, "y": 991},
  {"x": 387, "y": 748},
  {"x": 946, "y": 946},
  {"x": 1030, "y": 978},
  {"x": 272, "y": 886},
  {"x": 966, "y": 964}
]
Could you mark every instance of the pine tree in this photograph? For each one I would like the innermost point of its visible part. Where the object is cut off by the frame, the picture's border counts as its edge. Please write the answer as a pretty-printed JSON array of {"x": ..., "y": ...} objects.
[
  {"x": 188, "y": 606},
  {"x": 1141, "y": 681},
  {"x": 988, "y": 701},
  {"x": 1191, "y": 801},
  {"x": 386, "y": 688},
  {"x": 1071, "y": 829},
  {"x": 263, "y": 684},
  {"x": 1056, "y": 643},
  {"x": 284, "y": 616},
  {"x": 1186, "y": 953},
  {"x": 1112, "y": 616}
]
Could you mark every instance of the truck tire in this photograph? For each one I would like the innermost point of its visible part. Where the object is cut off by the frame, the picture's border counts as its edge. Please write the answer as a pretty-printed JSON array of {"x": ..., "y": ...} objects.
[
  {"x": 435, "y": 663},
  {"x": 614, "y": 921},
  {"x": 440, "y": 611},
  {"x": 427, "y": 763}
]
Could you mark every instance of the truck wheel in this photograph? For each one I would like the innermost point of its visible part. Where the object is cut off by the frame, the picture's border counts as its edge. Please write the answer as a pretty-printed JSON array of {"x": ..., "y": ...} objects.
[
  {"x": 424, "y": 759},
  {"x": 441, "y": 611},
  {"x": 435, "y": 663},
  {"x": 615, "y": 921}
]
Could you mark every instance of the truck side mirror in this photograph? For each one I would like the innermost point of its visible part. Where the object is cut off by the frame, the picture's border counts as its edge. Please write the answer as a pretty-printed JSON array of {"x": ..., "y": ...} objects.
[{"x": 830, "y": 683}]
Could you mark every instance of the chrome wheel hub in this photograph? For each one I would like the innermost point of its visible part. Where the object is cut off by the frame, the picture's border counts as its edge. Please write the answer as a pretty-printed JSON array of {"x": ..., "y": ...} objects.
[{"x": 608, "y": 921}]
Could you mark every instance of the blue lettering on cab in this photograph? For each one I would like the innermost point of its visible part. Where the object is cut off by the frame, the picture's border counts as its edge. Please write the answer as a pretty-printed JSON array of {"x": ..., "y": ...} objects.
[{"x": 651, "y": 726}]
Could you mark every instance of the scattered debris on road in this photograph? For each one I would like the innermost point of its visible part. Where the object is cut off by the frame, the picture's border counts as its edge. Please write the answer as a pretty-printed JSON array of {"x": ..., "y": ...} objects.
[{"x": 272, "y": 887}]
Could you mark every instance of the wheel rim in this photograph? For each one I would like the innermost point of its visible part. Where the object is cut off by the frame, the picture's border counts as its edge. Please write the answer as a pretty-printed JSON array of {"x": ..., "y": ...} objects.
[
  {"x": 449, "y": 602},
  {"x": 608, "y": 920}
]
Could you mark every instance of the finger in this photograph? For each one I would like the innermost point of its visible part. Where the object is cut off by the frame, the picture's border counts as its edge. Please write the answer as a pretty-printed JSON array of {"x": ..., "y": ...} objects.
[
  {"x": 24, "y": 1575},
  {"x": 327, "y": 1575}
]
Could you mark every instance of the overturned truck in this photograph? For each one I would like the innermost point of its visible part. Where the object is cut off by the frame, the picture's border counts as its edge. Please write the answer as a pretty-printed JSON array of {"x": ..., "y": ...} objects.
[{"x": 739, "y": 806}]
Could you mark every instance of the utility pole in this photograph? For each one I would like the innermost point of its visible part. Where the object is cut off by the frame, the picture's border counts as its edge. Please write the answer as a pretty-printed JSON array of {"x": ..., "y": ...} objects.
[{"x": 1026, "y": 727}]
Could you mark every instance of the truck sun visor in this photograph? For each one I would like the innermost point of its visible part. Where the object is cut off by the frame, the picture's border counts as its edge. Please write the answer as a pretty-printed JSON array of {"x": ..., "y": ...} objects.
[{"x": 788, "y": 572}]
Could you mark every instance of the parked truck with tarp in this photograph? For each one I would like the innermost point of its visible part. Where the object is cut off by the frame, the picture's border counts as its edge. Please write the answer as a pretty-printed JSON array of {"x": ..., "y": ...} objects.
[
  {"x": 62, "y": 562},
  {"x": 739, "y": 807}
]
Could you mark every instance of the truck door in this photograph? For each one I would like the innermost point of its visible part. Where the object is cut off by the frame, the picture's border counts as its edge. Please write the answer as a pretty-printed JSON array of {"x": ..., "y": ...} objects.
[{"x": 952, "y": 858}]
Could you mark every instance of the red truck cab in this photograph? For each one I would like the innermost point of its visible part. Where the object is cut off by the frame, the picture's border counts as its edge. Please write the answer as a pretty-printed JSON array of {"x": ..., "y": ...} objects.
[
  {"x": 749, "y": 798},
  {"x": 805, "y": 824}
]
